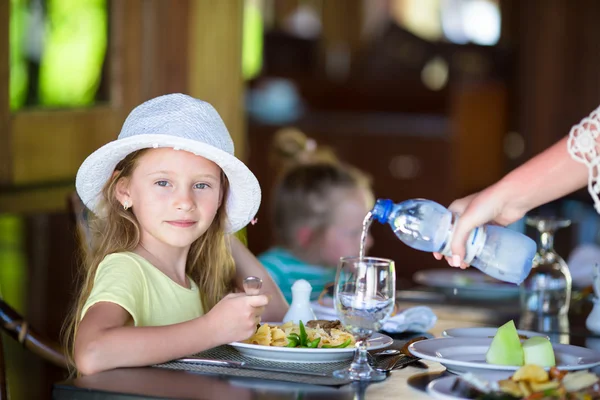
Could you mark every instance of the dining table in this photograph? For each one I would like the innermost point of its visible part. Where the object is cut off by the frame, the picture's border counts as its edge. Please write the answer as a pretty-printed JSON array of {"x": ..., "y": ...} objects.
[{"x": 453, "y": 310}]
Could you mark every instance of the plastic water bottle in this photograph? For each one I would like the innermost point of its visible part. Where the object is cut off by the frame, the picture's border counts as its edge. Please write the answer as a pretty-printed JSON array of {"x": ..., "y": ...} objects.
[
  {"x": 428, "y": 226},
  {"x": 300, "y": 309}
]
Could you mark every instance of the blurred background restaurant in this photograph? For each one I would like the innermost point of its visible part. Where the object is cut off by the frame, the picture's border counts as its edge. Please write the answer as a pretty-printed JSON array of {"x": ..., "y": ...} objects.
[{"x": 432, "y": 98}]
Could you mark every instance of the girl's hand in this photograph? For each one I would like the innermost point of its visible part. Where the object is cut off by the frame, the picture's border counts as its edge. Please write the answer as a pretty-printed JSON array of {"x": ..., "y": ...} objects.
[{"x": 235, "y": 317}]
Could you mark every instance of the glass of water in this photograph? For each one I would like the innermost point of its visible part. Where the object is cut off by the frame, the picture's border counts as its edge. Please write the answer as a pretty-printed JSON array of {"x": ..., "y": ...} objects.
[{"x": 365, "y": 292}]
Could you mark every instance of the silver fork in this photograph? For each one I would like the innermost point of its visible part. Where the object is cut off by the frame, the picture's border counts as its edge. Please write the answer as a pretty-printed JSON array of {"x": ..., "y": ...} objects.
[
  {"x": 402, "y": 360},
  {"x": 383, "y": 363}
]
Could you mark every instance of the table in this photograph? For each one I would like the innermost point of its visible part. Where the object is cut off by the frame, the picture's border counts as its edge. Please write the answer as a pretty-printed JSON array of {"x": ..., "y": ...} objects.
[{"x": 153, "y": 383}]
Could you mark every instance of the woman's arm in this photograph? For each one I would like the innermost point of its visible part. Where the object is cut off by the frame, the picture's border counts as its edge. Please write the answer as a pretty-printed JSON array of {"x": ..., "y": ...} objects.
[
  {"x": 546, "y": 177},
  {"x": 248, "y": 265}
]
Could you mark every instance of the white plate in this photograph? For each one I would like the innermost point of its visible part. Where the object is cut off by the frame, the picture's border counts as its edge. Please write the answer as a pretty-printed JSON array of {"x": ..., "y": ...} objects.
[
  {"x": 442, "y": 389},
  {"x": 468, "y": 284},
  {"x": 484, "y": 332},
  {"x": 461, "y": 355},
  {"x": 286, "y": 354}
]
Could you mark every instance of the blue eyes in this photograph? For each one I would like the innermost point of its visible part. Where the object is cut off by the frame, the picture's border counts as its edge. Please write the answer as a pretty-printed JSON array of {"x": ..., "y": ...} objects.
[{"x": 196, "y": 186}]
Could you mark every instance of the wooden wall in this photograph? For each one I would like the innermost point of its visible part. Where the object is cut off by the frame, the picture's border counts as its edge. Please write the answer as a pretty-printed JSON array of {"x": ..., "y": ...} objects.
[{"x": 557, "y": 80}]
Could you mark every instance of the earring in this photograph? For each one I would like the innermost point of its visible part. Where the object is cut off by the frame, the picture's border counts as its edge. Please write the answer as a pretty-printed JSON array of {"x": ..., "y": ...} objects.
[{"x": 126, "y": 205}]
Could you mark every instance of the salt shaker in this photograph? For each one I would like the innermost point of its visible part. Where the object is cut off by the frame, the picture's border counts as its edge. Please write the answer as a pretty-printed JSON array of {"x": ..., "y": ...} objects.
[
  {"x": 300, "y": 309},
  {"x": 593, "y": 320}
]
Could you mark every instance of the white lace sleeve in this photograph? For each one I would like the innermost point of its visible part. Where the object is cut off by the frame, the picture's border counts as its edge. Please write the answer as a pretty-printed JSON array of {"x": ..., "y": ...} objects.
[{"x": 584, "y": 147}]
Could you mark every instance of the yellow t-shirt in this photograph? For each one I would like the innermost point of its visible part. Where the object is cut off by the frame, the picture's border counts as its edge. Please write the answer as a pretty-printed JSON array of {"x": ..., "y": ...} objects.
[{"x": 145, "y": 292}]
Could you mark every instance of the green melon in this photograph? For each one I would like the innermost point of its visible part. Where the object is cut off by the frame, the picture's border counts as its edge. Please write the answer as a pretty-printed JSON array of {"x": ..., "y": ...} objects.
[
  {"x": 538, "y": 350},
  {"x": 506, "y": 347}
]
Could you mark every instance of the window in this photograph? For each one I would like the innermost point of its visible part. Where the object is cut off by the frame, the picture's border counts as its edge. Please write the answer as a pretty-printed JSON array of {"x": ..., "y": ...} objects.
[
  {"x": 57, "y": 51},
  {"x": 456, "y": 21}
]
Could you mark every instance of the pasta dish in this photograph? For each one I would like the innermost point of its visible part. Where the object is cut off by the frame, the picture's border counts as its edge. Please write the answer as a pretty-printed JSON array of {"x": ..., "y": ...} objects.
[{"x": 316, "y": 334}]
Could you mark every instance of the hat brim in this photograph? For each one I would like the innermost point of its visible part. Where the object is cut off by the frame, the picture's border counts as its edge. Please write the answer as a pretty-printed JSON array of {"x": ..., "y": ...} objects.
[{"x": 244, "y": 190}]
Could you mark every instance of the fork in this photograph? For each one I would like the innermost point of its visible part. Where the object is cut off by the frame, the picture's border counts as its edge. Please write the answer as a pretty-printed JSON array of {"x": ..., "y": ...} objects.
[
  {"x": 409, "y": 360},
  {"x": 402, "y": 360},
  {"x": 383, "y": 363}
]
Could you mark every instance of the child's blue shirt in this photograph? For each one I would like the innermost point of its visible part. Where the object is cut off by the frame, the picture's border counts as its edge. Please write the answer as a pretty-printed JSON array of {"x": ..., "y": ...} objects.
[{"x": 285, "y": 269}]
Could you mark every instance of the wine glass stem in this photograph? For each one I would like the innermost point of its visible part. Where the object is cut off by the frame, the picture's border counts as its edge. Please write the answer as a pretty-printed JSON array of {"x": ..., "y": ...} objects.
[
  {"x": 547, "y": 240},
  {"x": 360, "y": 358}
]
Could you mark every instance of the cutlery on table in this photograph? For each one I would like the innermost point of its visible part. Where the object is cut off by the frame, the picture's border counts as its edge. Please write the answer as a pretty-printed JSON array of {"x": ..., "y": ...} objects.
[
  {"x": 409, "y": 359},
  {"x": 403, "y": 359}
]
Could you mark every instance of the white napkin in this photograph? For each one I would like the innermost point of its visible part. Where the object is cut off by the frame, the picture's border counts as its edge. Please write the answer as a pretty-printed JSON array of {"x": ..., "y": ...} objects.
[{"x": 414, "y": 319}]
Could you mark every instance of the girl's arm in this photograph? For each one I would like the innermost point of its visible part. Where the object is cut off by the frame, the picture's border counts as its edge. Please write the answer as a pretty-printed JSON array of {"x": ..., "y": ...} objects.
[
  {"x": 105, "y": 340},
  {"x": 248, "y": 265}
]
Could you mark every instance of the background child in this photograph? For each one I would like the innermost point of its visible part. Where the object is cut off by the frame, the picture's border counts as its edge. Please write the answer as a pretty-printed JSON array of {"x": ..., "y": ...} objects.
[
  {"x": 159, "y": 273},
  {"x": 318, "y": 206}
]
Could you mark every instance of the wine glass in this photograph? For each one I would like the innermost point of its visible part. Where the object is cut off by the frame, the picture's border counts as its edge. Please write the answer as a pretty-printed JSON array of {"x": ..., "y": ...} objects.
[
  {"x": 365, "y": 293},
  {"x": 546, "y": 292}
]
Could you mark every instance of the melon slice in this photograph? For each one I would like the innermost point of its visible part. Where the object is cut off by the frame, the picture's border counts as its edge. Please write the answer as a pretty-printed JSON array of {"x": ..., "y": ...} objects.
[
  {"x": 506, "y": 347},
  {"x": 538, "y": 350}
]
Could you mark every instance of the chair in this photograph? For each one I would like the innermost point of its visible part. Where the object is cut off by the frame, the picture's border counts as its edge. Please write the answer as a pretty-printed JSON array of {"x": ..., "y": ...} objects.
[{"x": 15, "y": 326}]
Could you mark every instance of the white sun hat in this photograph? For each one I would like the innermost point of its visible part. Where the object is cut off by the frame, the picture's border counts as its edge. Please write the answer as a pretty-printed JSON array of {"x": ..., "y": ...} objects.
[{"x": 180, "y": 122}]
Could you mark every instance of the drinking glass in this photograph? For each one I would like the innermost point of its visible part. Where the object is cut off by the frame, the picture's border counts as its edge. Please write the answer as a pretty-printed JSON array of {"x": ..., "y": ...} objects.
[
  {"x": 546, "y": 292},
  {"x": 365, "y": 293}
]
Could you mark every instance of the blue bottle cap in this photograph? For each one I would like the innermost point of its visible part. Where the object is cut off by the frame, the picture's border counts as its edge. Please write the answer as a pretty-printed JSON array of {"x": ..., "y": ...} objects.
[{"x": 382, "y": 209}]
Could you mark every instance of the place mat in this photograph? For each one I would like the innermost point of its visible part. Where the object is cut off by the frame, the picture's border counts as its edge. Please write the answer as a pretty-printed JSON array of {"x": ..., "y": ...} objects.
[{"x": 227, "y": 352}]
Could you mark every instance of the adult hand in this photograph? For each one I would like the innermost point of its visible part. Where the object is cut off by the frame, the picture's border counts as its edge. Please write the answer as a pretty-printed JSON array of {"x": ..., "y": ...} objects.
[
  {"x": 491, "y": 205},
  {"x": 235, "y": 317}
]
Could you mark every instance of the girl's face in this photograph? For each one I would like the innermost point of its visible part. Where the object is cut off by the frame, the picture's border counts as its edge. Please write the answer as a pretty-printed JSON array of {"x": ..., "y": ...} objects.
[
  {"x": 175, "y": 196},
  {"x": 342, "y": 237}
]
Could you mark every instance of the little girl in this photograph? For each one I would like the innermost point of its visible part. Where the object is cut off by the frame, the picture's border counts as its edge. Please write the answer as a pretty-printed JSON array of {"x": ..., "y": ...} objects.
[
  {"x": 318, "y": 208},
  {"x": 159, "y": 275}
]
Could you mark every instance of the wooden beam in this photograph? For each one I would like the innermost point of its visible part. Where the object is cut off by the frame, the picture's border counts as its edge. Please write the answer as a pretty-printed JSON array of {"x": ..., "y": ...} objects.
[
  {"x": 125, "y": 56},
  {"x": 48, "y": 199},
  {"x": 478, "y": 115},
  {"x": 215, "y": 61},
  {"x": 341, "y": 36},
  {"x": 165, "y": 51},
  {"x": 50, "y": 145},
  {"x": 5, "y": 142}
]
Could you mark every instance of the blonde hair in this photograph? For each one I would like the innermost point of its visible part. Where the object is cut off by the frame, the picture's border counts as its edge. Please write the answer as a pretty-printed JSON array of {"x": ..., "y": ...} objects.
[
  {"x": 209, "y": 263},
  {"x": 291, "y": 147},
  {"x": 304, "y": 193}
]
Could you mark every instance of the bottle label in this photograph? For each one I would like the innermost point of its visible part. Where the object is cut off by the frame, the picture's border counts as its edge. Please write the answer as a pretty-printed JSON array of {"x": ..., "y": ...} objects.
[{"x": 474, "y": 244}]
